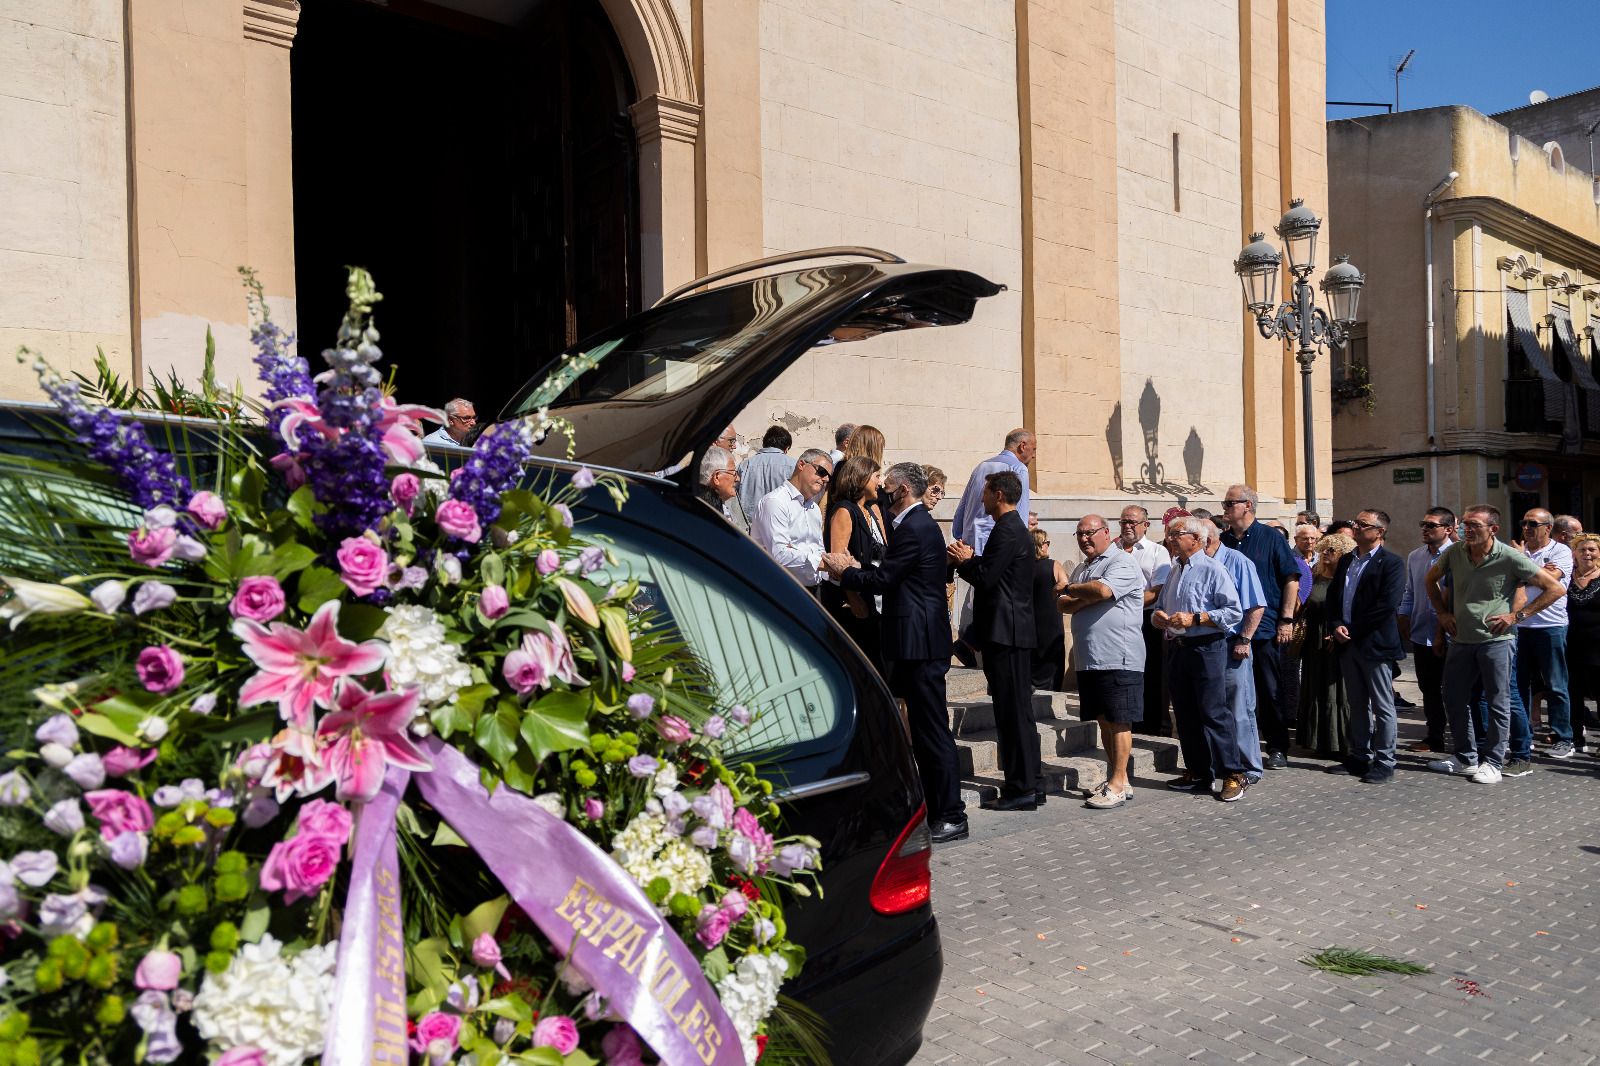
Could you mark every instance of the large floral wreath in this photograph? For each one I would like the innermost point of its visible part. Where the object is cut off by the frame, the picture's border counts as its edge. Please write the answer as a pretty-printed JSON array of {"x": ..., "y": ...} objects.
[{"x": 294, "y": 716}]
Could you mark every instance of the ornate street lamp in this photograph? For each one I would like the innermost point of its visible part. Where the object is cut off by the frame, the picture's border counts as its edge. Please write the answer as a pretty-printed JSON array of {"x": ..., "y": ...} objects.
[{"x": 1299, "y": 319}]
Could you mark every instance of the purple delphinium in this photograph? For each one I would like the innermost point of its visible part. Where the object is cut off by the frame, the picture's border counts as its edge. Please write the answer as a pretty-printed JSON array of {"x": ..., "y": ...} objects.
[
  {"x": 285, "y": 375},
  {"x": 148, "y": 473},
  {"x": 494, "y": 468}
]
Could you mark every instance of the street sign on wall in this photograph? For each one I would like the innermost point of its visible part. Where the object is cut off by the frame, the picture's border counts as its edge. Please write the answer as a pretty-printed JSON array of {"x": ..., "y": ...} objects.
[
  {"x": 1408, "y": 475},
  {"x": 1494, "y": 481},
  {"x": 1528, "y": 476}
]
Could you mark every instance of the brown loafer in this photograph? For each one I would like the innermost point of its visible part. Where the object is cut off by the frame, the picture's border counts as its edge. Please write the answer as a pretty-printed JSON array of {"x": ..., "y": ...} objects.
[{"x": 1421, "y": 747}]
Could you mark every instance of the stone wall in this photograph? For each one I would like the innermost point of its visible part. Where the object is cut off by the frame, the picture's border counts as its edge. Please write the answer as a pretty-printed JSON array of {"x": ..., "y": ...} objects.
[
  {"x": 63, "y": 191},
  {"x": 895, "y": 126}
]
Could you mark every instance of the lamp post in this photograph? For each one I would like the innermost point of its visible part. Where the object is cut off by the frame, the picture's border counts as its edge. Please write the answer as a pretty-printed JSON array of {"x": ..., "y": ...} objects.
[{"x": 1299, "y": 319}]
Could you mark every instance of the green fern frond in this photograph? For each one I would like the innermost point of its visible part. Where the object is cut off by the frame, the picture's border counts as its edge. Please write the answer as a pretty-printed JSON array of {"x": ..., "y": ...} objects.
[
  {"x": 1353, "y": 962},
  {"x": 799, "y": 1035}
]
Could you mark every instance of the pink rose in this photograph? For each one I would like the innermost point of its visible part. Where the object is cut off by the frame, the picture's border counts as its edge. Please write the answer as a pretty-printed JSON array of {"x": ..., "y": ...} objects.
[
  {"x": 159, "y": 668},
  {"x": 319, "y": 818},
  {"x": 405, "y": 489},
  {"x": 254, "y": 761},
  {"x": 593, "y": 809},
  {"x": 298, "y": 867},
  {"x": 121, "y": 761},
  {"x": 152, "y": 547},
  {"x": 363, "y": 565},
  {"x": 674, "y": 730},
  {"x": 119, "y": 812},
  {"x": 259, "y": 599},
  {"x": 712, "y": 925},
  {"x": 548, "y": 562},
  {"x": 735, "y": 903},
  {"x": 486, "y": 953},
  {"x": 208, "y": 509},
  {"x": 436, "y": 1025},
  {"x": 158, "y": 970},
  {"x": 457, "y": 519},
  {"x": 243, "y": 1055},
  {"x": 493, "y": 602},
  {"x": 556, "y": 1031},
  {"x": 525, "y": 671}
]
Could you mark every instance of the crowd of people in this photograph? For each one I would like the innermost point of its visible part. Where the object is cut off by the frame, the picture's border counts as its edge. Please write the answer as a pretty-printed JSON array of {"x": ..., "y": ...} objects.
[{"x": 1239, "y": 635}]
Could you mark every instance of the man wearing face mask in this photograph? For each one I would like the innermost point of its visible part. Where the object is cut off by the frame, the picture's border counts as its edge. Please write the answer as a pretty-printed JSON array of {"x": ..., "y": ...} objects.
[{"x": 915, "y": 639}]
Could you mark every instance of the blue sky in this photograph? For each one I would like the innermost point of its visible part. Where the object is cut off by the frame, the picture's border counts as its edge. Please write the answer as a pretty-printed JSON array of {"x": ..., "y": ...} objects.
[{"x": 1487, "y": 55}]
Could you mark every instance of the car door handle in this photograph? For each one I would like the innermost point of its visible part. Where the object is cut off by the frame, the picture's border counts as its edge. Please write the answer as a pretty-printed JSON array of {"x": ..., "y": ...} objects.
[{"x": 823, "y": 787}]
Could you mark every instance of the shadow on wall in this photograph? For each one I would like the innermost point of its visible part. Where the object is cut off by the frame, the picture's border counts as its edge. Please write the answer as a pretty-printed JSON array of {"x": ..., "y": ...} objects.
[{"x": 1152, "y": 479}]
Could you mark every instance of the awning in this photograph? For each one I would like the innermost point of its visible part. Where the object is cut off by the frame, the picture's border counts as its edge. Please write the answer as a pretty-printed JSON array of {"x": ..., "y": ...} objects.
[
  {"x": 1527, "y": 339},
  {"x": 1582, "y": 372}
]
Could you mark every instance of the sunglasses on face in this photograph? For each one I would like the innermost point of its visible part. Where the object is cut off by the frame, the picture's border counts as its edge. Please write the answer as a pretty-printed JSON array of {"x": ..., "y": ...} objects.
[
  {"x": 1434, "y": 525},
  {"x": 1365, "y": 525},
  {"x": 1133, "y": 522},
  {"x": 823, "y": 472},
  {"x": 1088, "y": 532},
  {"x": 1528, "y": 523}
]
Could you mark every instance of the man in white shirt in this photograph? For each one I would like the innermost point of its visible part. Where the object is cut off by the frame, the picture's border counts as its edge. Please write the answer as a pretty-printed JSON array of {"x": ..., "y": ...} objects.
[
  {"x": 841, "y": 437},
  {"x": 1542, "y": 643},
  {"x": 788, "y": 523},
  {"x": 1154, "y": 564}
]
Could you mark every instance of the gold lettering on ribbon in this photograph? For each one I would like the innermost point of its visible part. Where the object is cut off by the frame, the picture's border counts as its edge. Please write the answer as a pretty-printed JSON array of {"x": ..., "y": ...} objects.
[{"x": 389, "y": 1014}]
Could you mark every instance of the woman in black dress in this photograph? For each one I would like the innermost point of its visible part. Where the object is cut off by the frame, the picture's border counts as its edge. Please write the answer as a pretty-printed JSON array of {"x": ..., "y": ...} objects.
[
  {"x": 1583, "y": 633},
  {"x": 855, "y": 525},
  {"x": 1049, "y": 630},
  {"x": 1324, "y": 718}
]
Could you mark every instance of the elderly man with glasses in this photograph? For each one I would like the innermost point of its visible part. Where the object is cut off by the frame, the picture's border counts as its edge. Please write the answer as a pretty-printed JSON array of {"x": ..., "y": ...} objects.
[
  {"x": 460, "y": 419},
  {"x": 1154, "y": 563},
  {"x": 1105, "y": 599},
  {"x": 1198, "y": 606},
  {"x": 1280, "y": 580},
  {"x": 788, "y": 523}
]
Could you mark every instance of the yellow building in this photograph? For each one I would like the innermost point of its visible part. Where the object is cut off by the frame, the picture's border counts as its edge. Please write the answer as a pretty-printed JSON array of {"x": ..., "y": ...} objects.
[
  {"x": 520, "y": 173},
  {"x": 1486, "y": 392}
]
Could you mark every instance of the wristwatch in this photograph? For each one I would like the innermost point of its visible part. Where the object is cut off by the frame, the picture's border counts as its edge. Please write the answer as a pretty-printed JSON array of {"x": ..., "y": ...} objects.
[{"x": 1522, "y": 614}]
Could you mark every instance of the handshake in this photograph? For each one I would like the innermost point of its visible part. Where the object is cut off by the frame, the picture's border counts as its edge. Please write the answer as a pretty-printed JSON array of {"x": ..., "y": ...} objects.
[
  {"x": 836, "y": 563},
  {"x": 958, "y": 551}
]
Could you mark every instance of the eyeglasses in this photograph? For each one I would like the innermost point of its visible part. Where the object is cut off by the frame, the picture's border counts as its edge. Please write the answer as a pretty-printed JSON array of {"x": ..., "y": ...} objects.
[
  {"x": 1133, "y": 521},
  {"x": 463, "y": 418},
  {"x": 935, "y": 490},
  {"x": 1473, "y": 525},
  {"x": 726, "y": 441},
  {"x": 1434, "y": 525},
  {"x": 1184, "y": 533},
  {"x": 1090, "y": 532},
  {"x": 1233, "y": 503}
]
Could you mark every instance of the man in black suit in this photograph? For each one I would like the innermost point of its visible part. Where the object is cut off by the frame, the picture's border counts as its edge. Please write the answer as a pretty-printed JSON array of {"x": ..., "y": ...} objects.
[
  {"x": 916, "y": 639},
  {"x": 1003, "y": 625},
  {"x": 1362, "y": 602}
]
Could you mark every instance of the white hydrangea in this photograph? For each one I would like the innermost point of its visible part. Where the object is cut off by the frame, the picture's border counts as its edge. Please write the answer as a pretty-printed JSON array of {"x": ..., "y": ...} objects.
[
  {"x": 278, "y": 1005},
  {"x": 434, "y": 488},
  {"x": 749, "y": 992},
  {"x": 421, "y": 657},
  {"x": 647, "y": 851}
]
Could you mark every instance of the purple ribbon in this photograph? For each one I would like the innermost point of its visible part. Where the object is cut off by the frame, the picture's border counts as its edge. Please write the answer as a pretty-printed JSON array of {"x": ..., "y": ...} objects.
[{"x": 583, "y": 902}]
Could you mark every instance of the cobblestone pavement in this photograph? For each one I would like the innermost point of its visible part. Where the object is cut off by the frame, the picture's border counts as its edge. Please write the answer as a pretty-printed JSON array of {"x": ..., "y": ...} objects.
[{"x": 1170, "y": 930}]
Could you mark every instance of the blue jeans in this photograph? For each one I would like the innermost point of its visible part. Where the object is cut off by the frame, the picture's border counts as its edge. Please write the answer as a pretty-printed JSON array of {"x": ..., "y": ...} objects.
[
  {"x": 1370, "y": 688},
  {"x": 1521, "y": 732},
  {"x": 1471, "y": 669},
  {"x": 1240, "y": 686},
  {"x": 1542, "y": 666}
]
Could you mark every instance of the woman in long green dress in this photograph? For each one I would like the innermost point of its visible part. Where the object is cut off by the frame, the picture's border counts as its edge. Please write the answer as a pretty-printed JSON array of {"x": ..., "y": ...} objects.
[{"x": 1324, "y": 711}]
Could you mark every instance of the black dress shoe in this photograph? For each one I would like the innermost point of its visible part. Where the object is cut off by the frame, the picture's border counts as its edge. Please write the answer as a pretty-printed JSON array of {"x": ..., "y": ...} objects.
[
  {"x": 1277, "y": 760},
  {"x": 1377, "y": 777},
  {"x": 1024, "y": 802},
  {"x": 944, "y": 832},
  {"x": 1039, "y": 797},
  {"x": 1350, "y": 766}
]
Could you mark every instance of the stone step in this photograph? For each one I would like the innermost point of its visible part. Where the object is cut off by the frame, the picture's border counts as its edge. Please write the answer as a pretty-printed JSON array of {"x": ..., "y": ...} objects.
[
  {"x": 961, "y": 683},
  {"x": 1074, "y": 775},
  {"x": 975, "y": 714},
  {"x": 980, "y": 753}
]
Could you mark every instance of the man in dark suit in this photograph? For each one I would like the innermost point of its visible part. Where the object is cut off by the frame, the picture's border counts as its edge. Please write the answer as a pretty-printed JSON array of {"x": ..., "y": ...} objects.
[
  {"x": 916, "y": 639},
  {"x": 1362, "y": 602},
  {"x": 1002, "y": 622}
]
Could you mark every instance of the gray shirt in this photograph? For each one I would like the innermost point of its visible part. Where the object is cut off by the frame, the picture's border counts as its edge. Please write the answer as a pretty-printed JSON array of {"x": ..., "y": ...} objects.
[
  {"x": 760, "y": 474},
  {"x": 1109, "y": 634}
]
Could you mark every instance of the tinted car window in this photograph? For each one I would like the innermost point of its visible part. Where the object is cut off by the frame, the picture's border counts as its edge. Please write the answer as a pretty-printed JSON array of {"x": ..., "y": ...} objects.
[
  {"x": 666, "y": 353},
  {"x": 749, "y": 647}
]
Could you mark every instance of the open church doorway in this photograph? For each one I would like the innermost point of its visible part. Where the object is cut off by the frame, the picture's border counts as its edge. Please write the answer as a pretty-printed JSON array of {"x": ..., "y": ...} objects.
[{"x": 478, "y": 157}]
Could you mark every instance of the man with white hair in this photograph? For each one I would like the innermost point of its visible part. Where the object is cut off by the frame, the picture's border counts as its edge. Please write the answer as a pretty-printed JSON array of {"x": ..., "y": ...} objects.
[
  {"x": 1197, "y": 607},
  {"x": 460, "y": 419},
  {"x": 718, "y": 485},
  {"x": 1566, "y": 527},
  {"x": 1240, "y": 686},
  {"x": 1154, "y": 564},
  {"x": 1280, "y": 580}
]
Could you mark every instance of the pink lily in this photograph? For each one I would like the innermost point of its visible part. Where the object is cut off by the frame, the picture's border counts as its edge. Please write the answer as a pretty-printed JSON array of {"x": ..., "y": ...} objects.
[
  {"x": 299, "y": 669},
  {"x": 402, "y": 429},
  {"x": 366, "y": 735},
  {"x": 290, "y": 765}
]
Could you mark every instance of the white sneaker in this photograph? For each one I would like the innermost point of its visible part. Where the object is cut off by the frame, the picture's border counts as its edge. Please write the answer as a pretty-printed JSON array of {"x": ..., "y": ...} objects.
[
  {"x": 1488, "y": 774},
  {"x": 1452, "y": 765}
]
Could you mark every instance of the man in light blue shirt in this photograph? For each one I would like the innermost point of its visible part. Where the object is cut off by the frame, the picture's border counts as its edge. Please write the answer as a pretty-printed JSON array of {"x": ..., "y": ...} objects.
[
  {"x": 1419, "y": 625},
  {"x": 1240, "y": 683},
  {"x": 1197, "y": 607},
  {"x": 971, "y": 525},
  {"x": 460, "y": 419},
  {"x": 766, "y": 469}
]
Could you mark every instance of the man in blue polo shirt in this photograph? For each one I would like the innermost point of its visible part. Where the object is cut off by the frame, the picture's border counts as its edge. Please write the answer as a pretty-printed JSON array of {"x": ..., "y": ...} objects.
[{"x": 1280, "y": 582}]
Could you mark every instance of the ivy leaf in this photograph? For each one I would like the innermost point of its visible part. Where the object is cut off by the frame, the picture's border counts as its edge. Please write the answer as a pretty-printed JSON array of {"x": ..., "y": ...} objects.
[
  {"x": 247, "y": 485},
  {"x": 318, "y": 585},
  {"x": 522, "y": 771},
  {"x": 716, "y": 964},
  {"x": 557, "y": 722},
  {"x": 497, "y": 733}
]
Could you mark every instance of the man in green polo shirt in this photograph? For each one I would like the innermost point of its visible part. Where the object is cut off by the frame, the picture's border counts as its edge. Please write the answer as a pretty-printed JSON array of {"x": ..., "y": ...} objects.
[{"x": 1478, "y": 613}]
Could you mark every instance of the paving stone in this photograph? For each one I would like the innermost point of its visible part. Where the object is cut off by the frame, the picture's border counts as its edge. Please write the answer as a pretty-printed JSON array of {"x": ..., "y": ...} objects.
[{"x": 1189, "y": 917}]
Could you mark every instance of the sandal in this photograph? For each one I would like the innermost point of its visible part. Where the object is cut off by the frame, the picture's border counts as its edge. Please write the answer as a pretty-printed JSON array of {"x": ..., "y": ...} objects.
[{"x": 1103, "y": 799}]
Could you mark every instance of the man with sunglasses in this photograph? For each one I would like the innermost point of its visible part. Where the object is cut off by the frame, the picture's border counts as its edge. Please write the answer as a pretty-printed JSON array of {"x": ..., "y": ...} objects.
[
  {"x": 1280, "y": 580},
  {"x": 1419, "y": 625},
  {"x": 1486, "y": 576},
  {"x": 460, "y": 419},
  {"x": 788, "y": 523},
  {"x": 1542, "y": 644}
]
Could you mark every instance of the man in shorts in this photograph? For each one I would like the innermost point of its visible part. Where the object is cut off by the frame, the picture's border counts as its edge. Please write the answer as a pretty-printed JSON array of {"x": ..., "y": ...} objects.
[{"x": 1105, "y": 597}]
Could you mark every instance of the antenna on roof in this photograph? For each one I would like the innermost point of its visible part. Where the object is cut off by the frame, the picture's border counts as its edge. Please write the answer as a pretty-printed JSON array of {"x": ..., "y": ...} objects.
[{"x": 1400, "y": 68}]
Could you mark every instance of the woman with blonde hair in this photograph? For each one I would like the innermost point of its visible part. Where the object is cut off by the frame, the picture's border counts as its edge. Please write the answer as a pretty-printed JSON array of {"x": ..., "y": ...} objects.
[
  {"x": 869, "y": 441},
  {"x": 1324, "y": 711},
  {"x": 855, "y": 525}
]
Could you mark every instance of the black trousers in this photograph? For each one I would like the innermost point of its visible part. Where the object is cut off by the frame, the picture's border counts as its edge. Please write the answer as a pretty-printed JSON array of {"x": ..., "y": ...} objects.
[
  {"x": 1272, "y": 716},
  {"x": 1155, "y": 721},
  {"x": 1050, "y": 666},
  {"x": 1009, "y": 671},
  {"x": 920, "y": 682},
  {"x": 1197, "y": 679},
  {"x": 1430, "y": 678}
]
